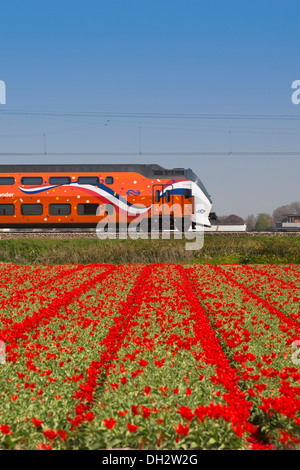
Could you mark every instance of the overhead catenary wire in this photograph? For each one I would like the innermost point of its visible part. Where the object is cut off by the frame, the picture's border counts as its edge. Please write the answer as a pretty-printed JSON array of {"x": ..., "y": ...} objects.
[
  {"x": 196, "y": 123},
  {"x": 192, "y": 116},
  {"x": 157, "y": 153}
]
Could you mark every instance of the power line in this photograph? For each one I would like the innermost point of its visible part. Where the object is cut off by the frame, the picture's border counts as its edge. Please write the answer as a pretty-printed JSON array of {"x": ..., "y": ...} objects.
[
  {"x": 152, "y": 154},
  {"x": 96, "y": 119},
  {"x": 96, "y": 114}
]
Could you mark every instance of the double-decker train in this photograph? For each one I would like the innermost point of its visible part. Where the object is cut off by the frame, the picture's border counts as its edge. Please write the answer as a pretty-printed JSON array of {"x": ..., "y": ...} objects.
[{"x": 85, "y": 195}]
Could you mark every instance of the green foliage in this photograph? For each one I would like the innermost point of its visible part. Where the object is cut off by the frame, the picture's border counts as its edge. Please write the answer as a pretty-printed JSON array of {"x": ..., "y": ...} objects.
[
  {"x": 263, "y": 222},
  {"x": 241, "y": 249}
]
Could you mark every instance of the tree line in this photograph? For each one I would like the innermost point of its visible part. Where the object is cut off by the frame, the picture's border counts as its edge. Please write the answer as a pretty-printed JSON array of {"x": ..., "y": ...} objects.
[{"x": 261, "y": 221}]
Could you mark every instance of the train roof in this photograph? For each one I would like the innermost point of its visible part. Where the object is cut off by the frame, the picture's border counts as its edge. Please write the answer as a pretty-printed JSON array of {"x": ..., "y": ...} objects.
[{"x": 145, "y": 170}]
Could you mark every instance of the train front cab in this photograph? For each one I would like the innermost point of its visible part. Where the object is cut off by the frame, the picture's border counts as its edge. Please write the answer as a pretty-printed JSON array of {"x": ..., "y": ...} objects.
[{"x": 171, "y": 209}]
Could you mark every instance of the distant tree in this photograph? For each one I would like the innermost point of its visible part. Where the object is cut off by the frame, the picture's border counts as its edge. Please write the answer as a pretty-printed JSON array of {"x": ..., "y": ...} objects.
[
  {"x": 279, "y": 214},
  {"x": 220, "y": 219},
  {"x": 263, "y": 222},
  {"x": 250, "y": 222},
  {"x": 295, "y": 207},
  {"x": 233, "y": 219}
]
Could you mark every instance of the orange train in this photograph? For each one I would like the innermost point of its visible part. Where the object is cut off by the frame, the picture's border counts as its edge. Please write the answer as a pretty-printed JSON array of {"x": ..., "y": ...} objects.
[{"x": 86, "y": 195}]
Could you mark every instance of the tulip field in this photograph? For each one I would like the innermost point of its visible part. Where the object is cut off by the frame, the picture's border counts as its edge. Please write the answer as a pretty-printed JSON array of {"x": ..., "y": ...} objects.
[{"x": 158, "y": 356}]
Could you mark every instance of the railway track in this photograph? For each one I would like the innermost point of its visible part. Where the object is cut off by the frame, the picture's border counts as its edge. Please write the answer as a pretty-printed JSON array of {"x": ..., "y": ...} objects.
[{"x": 71, "y": 233}]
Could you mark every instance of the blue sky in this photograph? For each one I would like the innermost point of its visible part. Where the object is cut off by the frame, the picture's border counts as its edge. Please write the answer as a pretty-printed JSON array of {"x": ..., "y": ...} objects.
[{"x": 176, "y": 57}]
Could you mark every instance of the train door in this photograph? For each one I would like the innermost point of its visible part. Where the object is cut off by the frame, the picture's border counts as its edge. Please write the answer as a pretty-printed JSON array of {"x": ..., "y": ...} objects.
[{"x": 162, "y": 202}]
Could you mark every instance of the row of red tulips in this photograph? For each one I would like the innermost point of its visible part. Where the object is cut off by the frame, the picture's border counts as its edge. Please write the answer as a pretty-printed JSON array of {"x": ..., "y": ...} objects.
[
  {"x": 258, "y": 338},
  {"x": 48, "y": 354},
  {"x": 155, "y": 356}
]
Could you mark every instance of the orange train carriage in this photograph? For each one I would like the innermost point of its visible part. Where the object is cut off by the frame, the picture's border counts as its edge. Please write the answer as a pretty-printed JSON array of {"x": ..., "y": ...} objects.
[{"x": 85, "y": 195}]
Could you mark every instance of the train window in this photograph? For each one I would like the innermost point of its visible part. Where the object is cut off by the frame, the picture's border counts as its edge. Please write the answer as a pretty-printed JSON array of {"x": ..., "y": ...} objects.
[
  {"x": 31, "y": 180},
  {"x": 59, "y": 209},
  {"x": 187, "y": 193},
  {"x": 109, "y": 209},
  {"x": 7, "y": 180},
  {"x": 168, "y": 196},
  {"x": 157, "y": 195},
  {"x": 109, "y": 180},
  {"x": 87, "y": 209},
  {"x": 7, "y": 209},
  {"x": 31, "y": 209},
  {"x": 88, "y": 180},
  {"x": 59, "y": 180}
]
